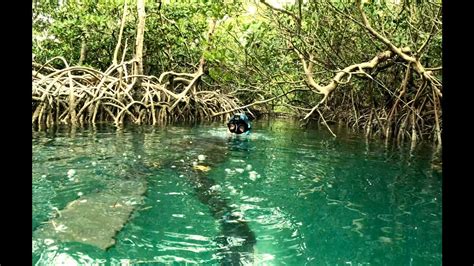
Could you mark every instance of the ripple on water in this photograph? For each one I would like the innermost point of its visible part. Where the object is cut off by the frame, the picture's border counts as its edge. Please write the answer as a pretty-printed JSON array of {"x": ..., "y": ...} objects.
[{"x": 308, "y": 198}]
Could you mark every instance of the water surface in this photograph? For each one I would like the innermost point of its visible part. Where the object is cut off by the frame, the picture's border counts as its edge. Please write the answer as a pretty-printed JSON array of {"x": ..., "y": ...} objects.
[{"x": 280, "y": 196}]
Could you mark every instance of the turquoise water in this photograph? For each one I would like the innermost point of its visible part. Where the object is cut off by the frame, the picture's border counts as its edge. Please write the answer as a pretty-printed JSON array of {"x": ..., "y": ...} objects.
[{"x": 280, "y": 196}]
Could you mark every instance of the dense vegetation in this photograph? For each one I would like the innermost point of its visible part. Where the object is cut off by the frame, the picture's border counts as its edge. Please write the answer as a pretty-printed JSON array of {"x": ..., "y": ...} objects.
[{"x": 373, "y": 65}]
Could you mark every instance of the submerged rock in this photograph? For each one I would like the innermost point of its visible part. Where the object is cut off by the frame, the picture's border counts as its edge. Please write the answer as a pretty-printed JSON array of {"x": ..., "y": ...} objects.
[{"x": 96, "y": 218}]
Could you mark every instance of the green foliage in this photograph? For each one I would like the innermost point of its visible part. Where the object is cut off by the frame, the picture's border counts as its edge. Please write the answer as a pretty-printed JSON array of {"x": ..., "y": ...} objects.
[
  {"x": 72, "y": 22},
  {"x": 249, "y": 54}
]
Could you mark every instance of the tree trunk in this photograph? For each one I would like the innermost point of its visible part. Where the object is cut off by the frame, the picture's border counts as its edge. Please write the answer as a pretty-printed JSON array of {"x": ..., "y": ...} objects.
[
  {"x": 139, "y": 40},
  {"x": 83, "y": 51}
]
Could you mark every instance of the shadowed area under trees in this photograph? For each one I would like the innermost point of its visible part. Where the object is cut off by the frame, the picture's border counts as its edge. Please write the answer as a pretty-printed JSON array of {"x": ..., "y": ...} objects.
[{"x": 374, "y": 66}]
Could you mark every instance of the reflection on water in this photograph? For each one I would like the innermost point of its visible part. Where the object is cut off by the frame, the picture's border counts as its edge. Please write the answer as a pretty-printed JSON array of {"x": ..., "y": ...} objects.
[{"x": 280, "y": 195}]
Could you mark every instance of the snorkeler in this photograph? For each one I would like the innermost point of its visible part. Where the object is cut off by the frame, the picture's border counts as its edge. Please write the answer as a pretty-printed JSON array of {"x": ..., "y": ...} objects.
[{"x": 239, "y": 124}]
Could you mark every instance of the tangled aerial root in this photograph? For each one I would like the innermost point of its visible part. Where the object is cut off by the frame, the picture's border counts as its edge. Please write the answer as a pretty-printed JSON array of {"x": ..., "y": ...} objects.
[{"x": 83, "y": 95}]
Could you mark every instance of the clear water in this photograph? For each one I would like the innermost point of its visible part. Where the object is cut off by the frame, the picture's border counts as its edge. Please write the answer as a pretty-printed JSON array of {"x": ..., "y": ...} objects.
[{"x": 280, "y": 196}]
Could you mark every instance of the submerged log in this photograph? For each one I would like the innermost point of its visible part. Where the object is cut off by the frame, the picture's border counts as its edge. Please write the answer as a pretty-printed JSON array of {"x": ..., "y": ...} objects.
[{"x": 236, "y": 239}]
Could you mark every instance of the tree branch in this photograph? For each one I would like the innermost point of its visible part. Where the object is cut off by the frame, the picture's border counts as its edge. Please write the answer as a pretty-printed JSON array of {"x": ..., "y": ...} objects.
[
  {"x": 255, "y": 103},
  {"x": 297, "y": 19}
]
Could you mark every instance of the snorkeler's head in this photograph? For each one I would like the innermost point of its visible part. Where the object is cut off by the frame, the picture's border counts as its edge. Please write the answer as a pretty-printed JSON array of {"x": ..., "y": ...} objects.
[{"x": 239, "y": 124}]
